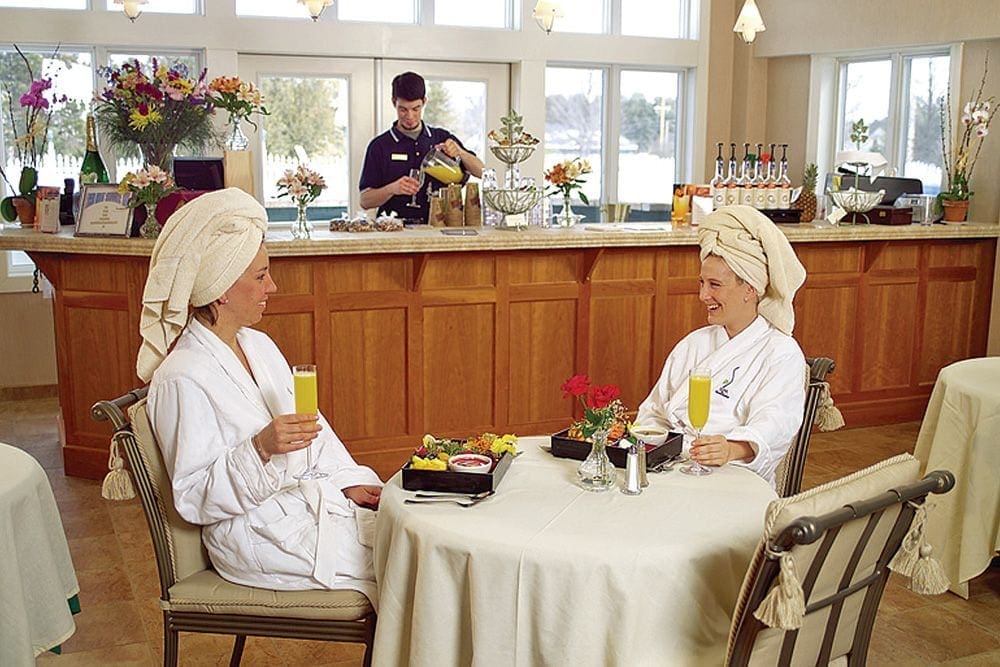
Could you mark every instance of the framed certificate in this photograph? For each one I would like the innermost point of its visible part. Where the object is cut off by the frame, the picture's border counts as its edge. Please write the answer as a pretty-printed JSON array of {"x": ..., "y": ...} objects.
[{"x": 103, "y": 211}]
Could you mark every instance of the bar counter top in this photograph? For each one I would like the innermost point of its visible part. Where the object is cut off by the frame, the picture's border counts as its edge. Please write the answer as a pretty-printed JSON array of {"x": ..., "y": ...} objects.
[{"x": 594, "y": 235}]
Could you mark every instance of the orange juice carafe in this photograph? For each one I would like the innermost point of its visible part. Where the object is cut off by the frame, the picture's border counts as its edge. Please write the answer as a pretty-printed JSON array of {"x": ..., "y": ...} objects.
[{"x": 438, "y": 165}]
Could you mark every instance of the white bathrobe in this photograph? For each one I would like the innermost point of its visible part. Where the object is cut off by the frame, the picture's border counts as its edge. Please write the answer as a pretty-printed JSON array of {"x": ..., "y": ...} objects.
[
  {"x": 758, "y": 390},
  {"x": 261, "y": 528}
]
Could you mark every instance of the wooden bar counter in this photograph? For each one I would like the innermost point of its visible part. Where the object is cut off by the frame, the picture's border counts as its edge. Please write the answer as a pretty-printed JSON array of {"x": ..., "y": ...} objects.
[{"x": 415, "y": 332}]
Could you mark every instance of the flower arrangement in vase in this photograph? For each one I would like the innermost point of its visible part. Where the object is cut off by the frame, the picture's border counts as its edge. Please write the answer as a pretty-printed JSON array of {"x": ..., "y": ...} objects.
[
  {"x": 961, "y": 151},
  {"x": 29, "y": 122},
  {"x": 303, "y": 186},
  {"x": 565, "y": 178},
  {"x": 152, "y": 113},
  {"x": 147, "y": 187},
  {"x": 240, "y": 99},
  {"x": 603, "y": 422}
]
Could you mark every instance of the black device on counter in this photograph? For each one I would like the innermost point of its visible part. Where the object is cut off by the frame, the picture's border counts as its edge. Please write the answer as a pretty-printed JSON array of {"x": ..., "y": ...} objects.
[{"x": 199, "y": 173}]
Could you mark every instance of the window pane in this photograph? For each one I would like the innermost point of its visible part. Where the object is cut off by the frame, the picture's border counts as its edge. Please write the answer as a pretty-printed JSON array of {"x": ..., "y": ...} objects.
[
  {"x": 928, "y": 83},
  {"x": 581, "y": 16},
  {"x": 459, "y": 107},
  {"x": 866, "y": 96},
  {"x": 652, "y": 18},
  {"x": 574, "y": 120},
  {"x": 45, "y": 4},
  {"x": 72, "y": 75},
  {"x": 162, "y": 6},
  {"x": 20, "y": 264},
  {"x": 308, "y": 125},
  {"x": 384, "y": 11},
  {"x": 648, "y": 142},
  {"x": 291, "y": 10},
  {"x": 483, "y": 14}
]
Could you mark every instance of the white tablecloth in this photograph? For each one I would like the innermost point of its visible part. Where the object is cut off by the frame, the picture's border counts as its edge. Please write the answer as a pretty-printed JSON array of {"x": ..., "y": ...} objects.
[
  {"x": 545, "y": 573},
  {"x": 961, "y": 433},
  {"x": 36, "y": 573}
]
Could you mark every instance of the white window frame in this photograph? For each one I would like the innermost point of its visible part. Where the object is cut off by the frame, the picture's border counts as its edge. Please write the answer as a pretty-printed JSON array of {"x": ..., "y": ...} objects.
[{"x": 14, "y": 278}]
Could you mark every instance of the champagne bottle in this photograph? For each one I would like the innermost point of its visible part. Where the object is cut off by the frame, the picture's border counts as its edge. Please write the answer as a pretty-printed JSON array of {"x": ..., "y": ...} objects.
[{"x": 92, "y": 170}]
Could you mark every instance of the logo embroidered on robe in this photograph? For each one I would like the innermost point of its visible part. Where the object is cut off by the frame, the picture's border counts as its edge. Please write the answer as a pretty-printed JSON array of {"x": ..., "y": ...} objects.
[{"x": 723, "y": 391}]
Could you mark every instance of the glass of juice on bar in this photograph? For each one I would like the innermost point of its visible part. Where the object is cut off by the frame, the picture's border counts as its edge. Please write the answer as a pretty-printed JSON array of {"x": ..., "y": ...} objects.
[
  {"x": 306, "y": 403},
  {"x": 679, "y": 209}
]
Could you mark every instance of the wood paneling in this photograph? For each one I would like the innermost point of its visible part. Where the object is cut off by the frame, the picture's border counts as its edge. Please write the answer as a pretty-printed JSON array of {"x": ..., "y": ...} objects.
[{"x": 457, "y": 343}]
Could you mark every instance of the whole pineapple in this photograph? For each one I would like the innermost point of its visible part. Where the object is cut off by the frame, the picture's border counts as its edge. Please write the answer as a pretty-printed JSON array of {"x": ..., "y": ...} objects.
[{"x": 807, "y": 200}]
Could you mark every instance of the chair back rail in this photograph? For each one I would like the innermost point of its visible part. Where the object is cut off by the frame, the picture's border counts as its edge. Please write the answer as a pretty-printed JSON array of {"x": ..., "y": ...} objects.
[
  {"x": 896, "y": 505},
  {"x": 790, "y": 472}
]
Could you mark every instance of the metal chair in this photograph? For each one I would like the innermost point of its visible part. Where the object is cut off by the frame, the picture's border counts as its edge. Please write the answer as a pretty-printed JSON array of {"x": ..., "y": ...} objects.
[
  {"x": 788, "y": 476},
  {"x": 193, "y": 596},
  {"x": 839, "y": 548}
]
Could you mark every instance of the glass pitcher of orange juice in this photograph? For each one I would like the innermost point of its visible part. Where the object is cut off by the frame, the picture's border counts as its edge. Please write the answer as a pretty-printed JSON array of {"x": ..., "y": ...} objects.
[{"x": 438, "y": 165}]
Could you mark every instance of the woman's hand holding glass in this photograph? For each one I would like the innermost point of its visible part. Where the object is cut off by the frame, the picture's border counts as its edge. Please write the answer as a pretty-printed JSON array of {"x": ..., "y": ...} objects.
[{"x": 288, "y": 433}]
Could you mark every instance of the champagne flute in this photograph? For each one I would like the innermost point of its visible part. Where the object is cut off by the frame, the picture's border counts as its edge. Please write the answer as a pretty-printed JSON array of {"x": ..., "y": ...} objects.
[
  {"x": 418, "y": 176},
  {"x": 699, "y": 399},
  {"x": 306, "y": 402}
]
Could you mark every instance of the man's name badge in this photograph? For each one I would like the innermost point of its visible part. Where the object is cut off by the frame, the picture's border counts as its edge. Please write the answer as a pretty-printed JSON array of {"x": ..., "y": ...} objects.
[{"x": 400, "y": 157}]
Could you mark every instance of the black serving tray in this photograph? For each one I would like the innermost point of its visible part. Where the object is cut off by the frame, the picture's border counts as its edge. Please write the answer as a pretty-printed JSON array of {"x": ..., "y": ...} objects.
[
  {"x": 456, "y": 482},
  {"x": 782, "y": 216},
  {"x": 567, "y": 448}
]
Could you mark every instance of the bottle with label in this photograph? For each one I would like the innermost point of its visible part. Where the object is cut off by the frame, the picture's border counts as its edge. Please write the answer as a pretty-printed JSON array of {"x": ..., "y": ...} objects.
[
  {"x": 92, "y": 170},
  {"x": 771, "y": 179},
  {"x": 732, "y": 178},
  {"x": 718, "y": 183},
  {"x": 760, "y": 179},
  {"x": 746, "y": 173},
  {"x": 784, "y": 182}
]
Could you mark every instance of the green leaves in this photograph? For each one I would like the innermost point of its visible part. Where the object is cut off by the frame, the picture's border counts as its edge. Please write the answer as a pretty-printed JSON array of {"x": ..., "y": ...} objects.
[
  {"x": 29, "y": 179},
  {"x": 859, "y": 132}
]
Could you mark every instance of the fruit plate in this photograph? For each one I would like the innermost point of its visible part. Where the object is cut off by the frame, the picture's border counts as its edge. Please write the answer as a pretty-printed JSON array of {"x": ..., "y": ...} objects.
[
  {"x": 455, "y": 482},
  {"x": 566, "y": 447}
]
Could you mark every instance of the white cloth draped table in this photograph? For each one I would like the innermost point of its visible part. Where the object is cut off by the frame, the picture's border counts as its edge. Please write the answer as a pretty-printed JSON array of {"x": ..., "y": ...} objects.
[
  {"x": 547, "y": 573},
  {"x": 36, "y": 572},
  {"x": 961, "y": 433}
]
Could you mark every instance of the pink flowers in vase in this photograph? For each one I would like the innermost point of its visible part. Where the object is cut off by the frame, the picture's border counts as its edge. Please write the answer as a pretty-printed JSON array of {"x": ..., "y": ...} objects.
[{"x": 303, "y": 185}]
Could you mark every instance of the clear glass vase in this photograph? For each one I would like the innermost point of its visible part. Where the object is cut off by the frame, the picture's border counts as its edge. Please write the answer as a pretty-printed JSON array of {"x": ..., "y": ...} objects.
[
  {"x": 597, "y": 472},
  {"x": 302, "y": 228},
  {"x": 151, "y": 228},
  {"x": 235, "y": 139},
  {"x": 566, "y": 217},
  {"x": 161, "y": 155}
]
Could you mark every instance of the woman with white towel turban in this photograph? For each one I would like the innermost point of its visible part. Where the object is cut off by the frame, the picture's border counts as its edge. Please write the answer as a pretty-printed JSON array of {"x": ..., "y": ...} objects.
[
  {"x": 749, "y": 274},
  {"x": 221, "y": 405}
]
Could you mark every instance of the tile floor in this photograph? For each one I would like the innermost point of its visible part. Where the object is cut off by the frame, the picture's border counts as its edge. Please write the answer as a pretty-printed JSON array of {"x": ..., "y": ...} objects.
[{"x": 121, "y": 623}]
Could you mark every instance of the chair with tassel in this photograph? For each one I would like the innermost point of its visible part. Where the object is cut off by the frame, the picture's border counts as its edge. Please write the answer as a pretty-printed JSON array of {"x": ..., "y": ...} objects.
[
  {"x": 813, "y": 586},
  {"x": 193, "y": 597}
]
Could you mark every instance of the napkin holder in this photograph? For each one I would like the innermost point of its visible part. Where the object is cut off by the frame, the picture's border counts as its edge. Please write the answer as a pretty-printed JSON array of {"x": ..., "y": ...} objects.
[{"x": 566, "y": 447}]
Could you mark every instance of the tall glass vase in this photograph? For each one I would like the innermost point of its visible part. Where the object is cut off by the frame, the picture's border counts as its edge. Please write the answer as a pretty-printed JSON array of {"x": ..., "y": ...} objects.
[
  {"x": 235, "y": 139},
  {"x": 302, "y": 228},
  {"x": 566, "y": 217},
  {"x": 161, "y": 155},
  {"x": 597, "y": 473},
  {"x": 151, "y": 228}
]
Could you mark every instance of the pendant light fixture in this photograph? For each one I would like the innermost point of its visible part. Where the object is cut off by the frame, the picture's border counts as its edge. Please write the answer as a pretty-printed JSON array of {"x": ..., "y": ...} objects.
[
  {"x": 131, "y": 8},
  {"x": 545, "y": 14},
  {"x": 749, "y": 22},
  {"x": 316, "y": 7}
]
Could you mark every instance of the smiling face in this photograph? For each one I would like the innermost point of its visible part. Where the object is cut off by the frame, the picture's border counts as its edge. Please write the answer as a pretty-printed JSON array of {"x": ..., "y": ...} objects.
[
  {"x": 408, "y": 113},
  {"x": 731, "y": 302},
  {"x": 247, "y": 298}
]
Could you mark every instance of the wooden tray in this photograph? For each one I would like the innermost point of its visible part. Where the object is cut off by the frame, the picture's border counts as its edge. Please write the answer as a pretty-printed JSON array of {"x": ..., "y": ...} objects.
[
  {"x": 456, "y": 482},
  {"x": 567, "y": 448}
]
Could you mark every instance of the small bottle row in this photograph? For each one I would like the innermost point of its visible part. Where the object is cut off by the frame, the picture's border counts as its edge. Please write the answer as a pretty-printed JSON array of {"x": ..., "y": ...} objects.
[{"x": 759, "y": 180}]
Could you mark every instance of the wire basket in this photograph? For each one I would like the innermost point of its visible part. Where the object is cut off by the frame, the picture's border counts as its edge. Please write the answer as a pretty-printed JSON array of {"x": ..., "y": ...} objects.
[
  {"x": 514, "y": 153},
  {"x": 856, "y": 201},
  {"x": 512, "y": 201}
]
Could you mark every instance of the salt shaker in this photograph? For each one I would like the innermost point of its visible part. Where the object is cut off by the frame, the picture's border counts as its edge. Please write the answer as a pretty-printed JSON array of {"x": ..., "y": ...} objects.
[
  {"x": 643, "y": 480},
  {"x": 632, "y": 485}
]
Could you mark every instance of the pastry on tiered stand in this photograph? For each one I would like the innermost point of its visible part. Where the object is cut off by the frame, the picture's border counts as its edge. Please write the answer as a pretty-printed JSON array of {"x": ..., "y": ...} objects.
[{"x": 512, "y": 196}]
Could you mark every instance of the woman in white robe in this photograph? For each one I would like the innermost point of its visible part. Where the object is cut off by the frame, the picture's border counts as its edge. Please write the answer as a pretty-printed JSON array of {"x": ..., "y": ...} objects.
[
  {"x": 221, "y": 405},
  {"x": 748, "y": 276}
]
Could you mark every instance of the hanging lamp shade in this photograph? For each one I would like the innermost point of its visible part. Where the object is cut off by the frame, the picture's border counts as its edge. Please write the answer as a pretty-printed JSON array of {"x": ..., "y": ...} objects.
[
  {"x": 132, "y": 8},
  {"x": 316, "y": 7},
  {"x": 545, "y": 14},
  {"x": 749, "y": 22}
]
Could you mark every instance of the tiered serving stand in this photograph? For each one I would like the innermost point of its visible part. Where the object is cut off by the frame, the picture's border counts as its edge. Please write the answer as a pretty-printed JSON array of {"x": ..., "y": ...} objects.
[{"x": 511, "y": 199}]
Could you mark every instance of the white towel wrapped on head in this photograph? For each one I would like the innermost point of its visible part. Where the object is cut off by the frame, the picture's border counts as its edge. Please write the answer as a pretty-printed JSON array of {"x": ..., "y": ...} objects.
[
  {"x": 758, "y": 252},
  {"x": 204, "y": 247}
]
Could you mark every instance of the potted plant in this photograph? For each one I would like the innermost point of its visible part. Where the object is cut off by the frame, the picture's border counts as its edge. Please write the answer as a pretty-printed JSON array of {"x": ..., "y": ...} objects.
[
  {"x": 961, "y": 152},
  {"x": 29, "y": 119}
]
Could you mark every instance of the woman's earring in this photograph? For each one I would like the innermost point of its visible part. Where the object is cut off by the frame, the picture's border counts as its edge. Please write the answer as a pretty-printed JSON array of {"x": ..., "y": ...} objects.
[{"x": 223, "y": 300}]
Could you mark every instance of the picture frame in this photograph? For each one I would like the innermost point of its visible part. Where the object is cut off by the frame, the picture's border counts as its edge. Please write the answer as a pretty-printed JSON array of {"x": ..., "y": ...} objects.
[{"x": 103, "y": 211}]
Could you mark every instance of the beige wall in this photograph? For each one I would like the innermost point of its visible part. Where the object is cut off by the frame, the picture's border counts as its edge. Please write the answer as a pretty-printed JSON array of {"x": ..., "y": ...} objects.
[{"x": 27, "y": 341}]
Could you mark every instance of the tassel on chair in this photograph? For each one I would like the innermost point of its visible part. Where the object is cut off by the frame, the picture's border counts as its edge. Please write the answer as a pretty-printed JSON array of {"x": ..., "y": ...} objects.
[
  {"x": 117, "y": 484},
  {"x": 928, "y": 575},
  {"x": 785, "y": 605},
  {"x": 828, "y": 417},
  {"x": 909, "y": 550},
  {"x": 914, "y": 559}
]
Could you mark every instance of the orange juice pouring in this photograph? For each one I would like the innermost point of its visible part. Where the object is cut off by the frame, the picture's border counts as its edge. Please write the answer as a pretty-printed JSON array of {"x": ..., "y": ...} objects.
[
  {"x": 699, "y": 400},
  {"x": 306, "y": 403}
]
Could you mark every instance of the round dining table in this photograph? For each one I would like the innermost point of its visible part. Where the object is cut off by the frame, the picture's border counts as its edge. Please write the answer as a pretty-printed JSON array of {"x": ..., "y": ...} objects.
[
  {"x": 38, "y": 584},
  {"x": 545, "y": 572}
]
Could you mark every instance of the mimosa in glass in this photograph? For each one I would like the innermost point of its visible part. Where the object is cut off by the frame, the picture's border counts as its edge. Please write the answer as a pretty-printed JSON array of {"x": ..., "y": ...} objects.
[
  {"x": 306, "y": 403},
  {"x": 699, "y": 399}
]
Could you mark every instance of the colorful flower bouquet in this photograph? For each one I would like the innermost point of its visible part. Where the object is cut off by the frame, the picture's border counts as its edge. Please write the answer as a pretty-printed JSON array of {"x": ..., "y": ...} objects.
[
  {"x": 602, "y": 409},
  {"x": 239, "y": 98},
  {"x": 565, "y": 177},
  {"x": 303, "y": 185},
  {"x": 151, "y": 113},
  {"x": 29, "y": 122},
  {"x": 147, "y": 187}
]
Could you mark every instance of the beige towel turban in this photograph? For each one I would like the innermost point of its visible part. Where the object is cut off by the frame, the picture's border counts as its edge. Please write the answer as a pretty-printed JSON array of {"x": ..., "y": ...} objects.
[
  {"x": 758, "y": 252},
  {"x": 203, "y": 248}
]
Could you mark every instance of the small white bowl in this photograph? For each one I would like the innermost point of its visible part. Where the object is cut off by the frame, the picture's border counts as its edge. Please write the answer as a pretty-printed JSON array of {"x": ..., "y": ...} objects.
[{"x": 470, "y": 463}]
